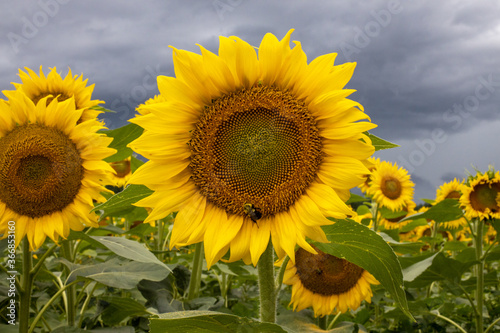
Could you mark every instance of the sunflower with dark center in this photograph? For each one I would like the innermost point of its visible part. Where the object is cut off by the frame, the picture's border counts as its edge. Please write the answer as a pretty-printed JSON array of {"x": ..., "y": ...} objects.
[
  {"x": 451, "y": 190},
  {"x": 391, "y": 186},
  {"x": 327, "y": 283},
  {"x": 481, "y": 197},
  {"x": 244, "y": 129},
  {"x": 53, "y": 85},
  {"x": 122, "y": 171},
  {"x": 395, "y": 222},
  {"x": 51, "y": 169}
]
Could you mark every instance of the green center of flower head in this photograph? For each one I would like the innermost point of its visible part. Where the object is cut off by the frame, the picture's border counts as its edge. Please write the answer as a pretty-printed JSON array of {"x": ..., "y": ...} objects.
[
  {"x": 325, "y": 274},
  {"x": 485, "y": 196},
  {"x": 40, "y": 170},
  {"x": 258, "y": 146},
  {"x": 391, "y": 188}
]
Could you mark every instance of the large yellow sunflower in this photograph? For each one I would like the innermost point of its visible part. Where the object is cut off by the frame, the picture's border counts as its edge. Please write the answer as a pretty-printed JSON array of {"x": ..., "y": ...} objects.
[
  {"x": 451, "y": 190},
  {"x": 391, "y": 186},
  {"x": 51, "y": 169},
  {"x": 327, "y": 283},
  {"x": 481, "y": 198},
  {"x": 122, "y": 171},
  {"x": 53, "y": 85},
  {"x": 250, "y": 146}
]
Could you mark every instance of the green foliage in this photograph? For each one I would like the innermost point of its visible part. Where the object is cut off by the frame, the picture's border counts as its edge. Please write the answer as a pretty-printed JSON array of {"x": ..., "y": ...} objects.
[
  {"x": 121, "y": 138},
  {"x": 379, "y": 143}
]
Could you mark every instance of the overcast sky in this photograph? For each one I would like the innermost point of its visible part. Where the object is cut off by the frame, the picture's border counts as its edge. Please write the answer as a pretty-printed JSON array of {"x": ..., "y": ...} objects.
[{"x": 428, "y": 73}]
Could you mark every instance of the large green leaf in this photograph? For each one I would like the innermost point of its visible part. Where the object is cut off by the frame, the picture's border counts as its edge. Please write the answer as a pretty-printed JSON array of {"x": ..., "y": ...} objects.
[
  {"x": 121, "y": 138},
  {"x": 363, "y": 247},
  {"x": 446, "y": 210},
  {"x": 208, "y": 321},
  {"x": 119, "y": 308},
  {"x": 121, "y": 203},
  {"x": 379, "y": 143},
  {"x": 410, "y": 273}
]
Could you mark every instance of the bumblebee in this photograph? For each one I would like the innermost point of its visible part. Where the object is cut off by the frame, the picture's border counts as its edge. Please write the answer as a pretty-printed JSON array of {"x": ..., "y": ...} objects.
[{"x": 253, "y": 212}]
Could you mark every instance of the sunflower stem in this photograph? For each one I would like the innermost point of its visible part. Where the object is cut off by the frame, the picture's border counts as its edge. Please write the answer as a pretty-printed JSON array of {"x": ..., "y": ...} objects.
[
  {"x": 267, "y": 289},
  {"x": 194, "y": 282},
  {"x": 71, "y": 290},
  {"x": 480, "y": 275},
  {"x": 27, "y": 284}
]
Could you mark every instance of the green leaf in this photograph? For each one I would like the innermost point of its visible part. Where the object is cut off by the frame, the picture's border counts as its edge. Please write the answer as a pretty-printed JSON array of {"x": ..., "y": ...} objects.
[
  {"x": 391, "y": 214},
  {"x": 135, "y": 163},
  {"x": 208, "y": 321},
  {"x": 119, "y": 273},
  {"x": 120, "y": 308},
  {"x": 379, "y": 143},
  {"x": 410, "y": 273},
  {"x": 121, "y": 138},
  {"x": 121, "y": 203},
  {"x": 354, "y": 198},
  {"x": 100, "y": 108},
  {"x": 406, "y": 247},
  {"x": 444, "y": 211},
  {"x": 363, "y": 247},
  {"x": 413, "y": 224},
  {"x": 129, "y": 249}
]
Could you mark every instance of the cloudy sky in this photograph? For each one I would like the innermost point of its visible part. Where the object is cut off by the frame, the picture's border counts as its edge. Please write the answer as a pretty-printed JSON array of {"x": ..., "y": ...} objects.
[{"x": 428, "y": 75}]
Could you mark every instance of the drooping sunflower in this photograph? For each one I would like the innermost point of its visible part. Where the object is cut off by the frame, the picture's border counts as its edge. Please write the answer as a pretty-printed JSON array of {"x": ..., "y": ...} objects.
[
  {"x": 51, "y": 168},
  {"x": 327, "y": 283},
  {"x": 264, "y": 131},
  {"x": 451, "y": 190},
  {"x": 121, "y": 171},
  {"x": 53, "y": 85},
  {"x": 371, "y": 164},
  {"x": 391, "y": 186},
  {"x": 394, "y": 223},
  {"x": 481, "y": 198}
]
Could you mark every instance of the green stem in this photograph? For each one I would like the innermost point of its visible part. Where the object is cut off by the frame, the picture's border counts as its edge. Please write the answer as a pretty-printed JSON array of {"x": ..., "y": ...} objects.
[
  {"x": 45, "y": 307},
  {"x": 194, "y": 282},
  {"x": 86, "y": 303},
  {"x": 332, "y": 323},
  {"x": 448, "y": 320},
  {"x": 40, "y": 262},
  {"x": 71, "y": 293},
  {"x": 267, "y": 292},
  {"x": 159, "y": 243},
  {"x": 480, "y": 275},
  {"x": 27, "y": 284},
  {"x": 492, "y": 325},
  {"x": 375, "y": 217},
  {"x": 279, "y": 278}
]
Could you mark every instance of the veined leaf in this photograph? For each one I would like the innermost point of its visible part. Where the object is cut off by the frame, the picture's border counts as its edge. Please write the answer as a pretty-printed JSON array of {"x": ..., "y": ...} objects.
[
  {"x": 446, "y": 210},
  {"x": 379, "y": 143},
  {"x": 121, "y": 138},
  {"x": 121, "y": 203}
]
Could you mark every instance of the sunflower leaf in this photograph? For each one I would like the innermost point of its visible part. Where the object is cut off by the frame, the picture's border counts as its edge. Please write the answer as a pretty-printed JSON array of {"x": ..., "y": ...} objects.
[
  {"x": 121, "y": 203},
  {"x": 208, "y": 321},
  {"x": 121, "y": 138},
  {"x": 363, "y": 247},
  {"x": 446, "y": 210},
  {"x": 380, "y": 144}
]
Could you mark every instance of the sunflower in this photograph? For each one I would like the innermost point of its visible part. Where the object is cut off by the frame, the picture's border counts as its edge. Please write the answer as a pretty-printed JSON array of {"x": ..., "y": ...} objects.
[
  {"x": 237, "y": 130},
  {"x": 121, "y": 171},
  {"x": 391, "y": 186},
  {"x": 51, "y": 168},
  {"x": 327, "y": 283},
  {"x": 371, "y": 164},
  {"x": 451, "y": 190},
  {"x": 53, "y": 85},
  {"x": 394, "y": 223},
  {"x": 481, "y": 198},
  {"x": 153, "y": 100}
]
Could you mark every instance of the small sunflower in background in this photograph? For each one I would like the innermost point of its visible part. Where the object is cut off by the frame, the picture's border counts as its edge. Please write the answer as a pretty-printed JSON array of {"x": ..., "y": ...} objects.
[
  {"x": 391, "y": 186},
  {"x": 327, "y": 283},
  {"x": 53, "y": 85},
  {"x": 481, "y": 196},
  {"x": 51, "y": 168},
  {"x": 451, "y": 190},
  {"x": 250, "y": 131},
  {"x": 371, "y": 163},
  {"x": 394, "y": 223},
  {"x": 122, "y": 171},
  {"x": 143, "y": 110}
]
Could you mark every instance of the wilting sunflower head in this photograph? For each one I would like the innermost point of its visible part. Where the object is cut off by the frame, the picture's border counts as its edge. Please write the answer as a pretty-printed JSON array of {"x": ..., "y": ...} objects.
[
  {"x": 391, "y": 186},
  {"x": 262, "y": 128},
  {"x": 327, "y": 283},
  {"x": 51, "y": 168},
  {"x": 481, "y": 197},
  {"x": 54, "y": 86},
  {"x": 122, "y": 171}
]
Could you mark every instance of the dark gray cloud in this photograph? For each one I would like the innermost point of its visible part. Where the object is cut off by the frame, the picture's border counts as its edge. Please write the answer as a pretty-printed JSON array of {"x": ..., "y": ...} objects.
[{"x": 421, "y": 67}]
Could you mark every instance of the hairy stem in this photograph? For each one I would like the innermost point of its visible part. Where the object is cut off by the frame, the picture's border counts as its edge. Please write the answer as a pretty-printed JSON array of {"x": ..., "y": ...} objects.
[
  {"x": 27, "y": 284},
  {"x": 267, "y": 290},
  {"x": 194, "y": 282}
]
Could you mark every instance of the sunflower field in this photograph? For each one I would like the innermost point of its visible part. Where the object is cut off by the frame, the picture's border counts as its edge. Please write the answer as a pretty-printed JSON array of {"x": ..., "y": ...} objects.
[{"x": 244, "y": 197}]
